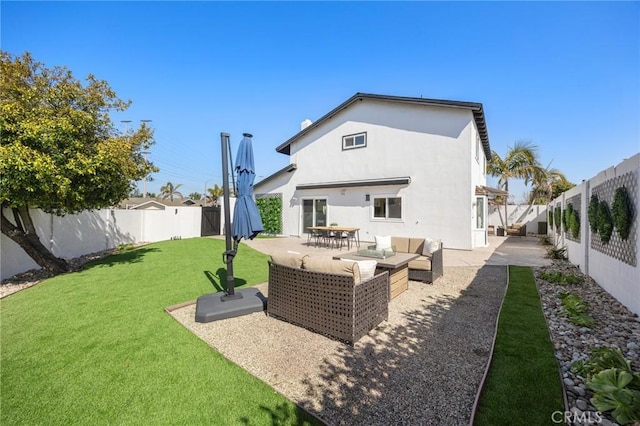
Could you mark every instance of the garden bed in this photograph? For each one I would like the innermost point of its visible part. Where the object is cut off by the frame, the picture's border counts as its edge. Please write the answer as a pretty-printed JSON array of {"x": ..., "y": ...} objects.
[{"x": 601, "y": 321}]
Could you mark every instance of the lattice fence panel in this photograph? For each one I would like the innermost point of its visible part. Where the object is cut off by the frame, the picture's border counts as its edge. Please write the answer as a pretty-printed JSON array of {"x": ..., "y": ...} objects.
[{"x": 625, "y": 251}]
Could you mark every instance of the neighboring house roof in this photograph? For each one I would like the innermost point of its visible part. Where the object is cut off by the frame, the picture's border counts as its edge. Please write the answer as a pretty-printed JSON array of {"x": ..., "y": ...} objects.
[
  {"x": 476, "y": 109},
  {"x": 139, "y": 203}
]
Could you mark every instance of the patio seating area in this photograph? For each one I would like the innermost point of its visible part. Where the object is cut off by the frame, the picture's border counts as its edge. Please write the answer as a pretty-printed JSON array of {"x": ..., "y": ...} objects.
[
  {"x": 381, "y": 379},
  {"x": 331, "y": 301}
]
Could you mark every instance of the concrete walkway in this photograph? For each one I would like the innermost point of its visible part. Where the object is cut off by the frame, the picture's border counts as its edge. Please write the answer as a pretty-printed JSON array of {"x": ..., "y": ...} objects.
[{"x": 525, "y": 251}]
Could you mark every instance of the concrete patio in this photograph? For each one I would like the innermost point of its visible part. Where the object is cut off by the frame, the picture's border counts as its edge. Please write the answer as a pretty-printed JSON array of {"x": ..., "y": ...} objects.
[{"x": 525, "y": 251}]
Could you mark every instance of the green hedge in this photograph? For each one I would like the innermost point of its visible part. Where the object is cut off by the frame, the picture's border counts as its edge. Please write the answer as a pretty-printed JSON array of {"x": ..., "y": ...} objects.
[{"x": 270, "y": 209}]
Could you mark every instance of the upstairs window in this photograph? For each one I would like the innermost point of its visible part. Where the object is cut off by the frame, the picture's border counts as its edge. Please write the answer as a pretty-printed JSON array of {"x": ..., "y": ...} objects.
[{"x": 358, "y": 140}]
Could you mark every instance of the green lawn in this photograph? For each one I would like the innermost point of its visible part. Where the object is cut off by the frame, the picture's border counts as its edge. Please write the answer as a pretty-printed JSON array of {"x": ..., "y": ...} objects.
[
  {"x": 523, "y": 385},
  {"x": 96, "y": 347}
]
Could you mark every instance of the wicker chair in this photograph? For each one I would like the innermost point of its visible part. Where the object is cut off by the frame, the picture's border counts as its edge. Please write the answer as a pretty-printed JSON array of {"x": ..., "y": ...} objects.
[{"x": 328, "y": 304}]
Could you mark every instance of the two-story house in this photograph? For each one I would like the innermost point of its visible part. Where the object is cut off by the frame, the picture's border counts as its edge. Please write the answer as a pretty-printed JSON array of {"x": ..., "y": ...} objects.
[{"x": 389, "y": 165}]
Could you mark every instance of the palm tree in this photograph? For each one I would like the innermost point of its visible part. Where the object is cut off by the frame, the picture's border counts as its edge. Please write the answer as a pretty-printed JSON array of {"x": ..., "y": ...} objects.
[
  {"x": 214, "y": 193},
  {"x": 168, "y": 191},
  {"x": 548, "y": 184},
  {"x": 520, "y": 162},
  {"x": 195, "y": 196}
]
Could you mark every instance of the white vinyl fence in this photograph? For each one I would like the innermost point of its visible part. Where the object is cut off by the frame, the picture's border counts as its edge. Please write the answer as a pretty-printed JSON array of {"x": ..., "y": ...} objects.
[
  {"x": 530, "y": 215},
  {"x": 88, "y": 232},
  {"x": 613, "y": 265}
]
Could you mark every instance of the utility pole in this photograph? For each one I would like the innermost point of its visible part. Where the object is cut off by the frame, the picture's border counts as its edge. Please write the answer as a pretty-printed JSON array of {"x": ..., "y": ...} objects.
[{"x": 144, "y": 185}]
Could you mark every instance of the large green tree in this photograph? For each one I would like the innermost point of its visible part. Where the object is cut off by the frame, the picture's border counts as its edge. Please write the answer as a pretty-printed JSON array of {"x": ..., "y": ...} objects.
[
  {"x": 520, "y": 162},
  {"x": 60, "y": 150}
]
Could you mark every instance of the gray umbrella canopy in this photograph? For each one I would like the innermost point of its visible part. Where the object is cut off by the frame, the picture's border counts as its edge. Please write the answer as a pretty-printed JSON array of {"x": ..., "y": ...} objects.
[{"x": 247, "y": 222}]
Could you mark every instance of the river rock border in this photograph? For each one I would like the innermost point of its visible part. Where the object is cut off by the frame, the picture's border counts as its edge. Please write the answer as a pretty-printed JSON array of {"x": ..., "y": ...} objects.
[{"x": 616, "y": 327}]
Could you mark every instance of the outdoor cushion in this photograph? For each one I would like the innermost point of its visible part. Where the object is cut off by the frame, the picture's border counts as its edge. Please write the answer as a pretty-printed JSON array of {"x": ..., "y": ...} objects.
[
  {"x": 416, "y": 245},
  {"x": 430, "y": 245},
  {"x": 367, "y": 268},
  {"x": 383, "y": 242},
  {"x": 401, "y": 244},
  {"x": 328, "y": 265},
  {"x": 292, "y": 260},
  {"x": 422, "y": 263}
]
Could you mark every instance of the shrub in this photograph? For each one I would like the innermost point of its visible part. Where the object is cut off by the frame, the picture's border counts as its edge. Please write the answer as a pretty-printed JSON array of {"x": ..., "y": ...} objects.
[
  {"x": 622, "y": 212},
  {"x": 270, "y": 209},
  {"x": 557, "y": 218},
  {"x": 573, "y": 221},
  {"x": 557, "y": 253},
  {"x": 593, "y": 214},
  {"x": 560, "y": 278},
  {"x": 544, "y": 240},
  {"x": 605, "y": 222},
  {"x": 575, "y": 308},
  {"x": 565, "y": 216}
]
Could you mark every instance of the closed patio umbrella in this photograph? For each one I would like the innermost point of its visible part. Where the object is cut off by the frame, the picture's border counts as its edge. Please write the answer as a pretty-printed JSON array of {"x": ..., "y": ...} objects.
[{"x": 247, "y": 222}]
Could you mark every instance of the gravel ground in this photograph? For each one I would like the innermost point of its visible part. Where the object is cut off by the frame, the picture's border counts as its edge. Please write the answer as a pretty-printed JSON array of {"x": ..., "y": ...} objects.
[{"x": 422, "y": 366}]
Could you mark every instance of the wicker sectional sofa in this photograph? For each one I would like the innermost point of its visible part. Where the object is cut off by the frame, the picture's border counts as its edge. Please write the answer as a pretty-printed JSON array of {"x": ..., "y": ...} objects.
[
  {"x": 429, "y": 266},
  {"x": 336, "y": 304}
]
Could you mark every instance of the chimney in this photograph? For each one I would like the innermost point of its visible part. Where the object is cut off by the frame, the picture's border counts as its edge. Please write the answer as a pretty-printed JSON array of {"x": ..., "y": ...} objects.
[{"x": 306, "y": 123}]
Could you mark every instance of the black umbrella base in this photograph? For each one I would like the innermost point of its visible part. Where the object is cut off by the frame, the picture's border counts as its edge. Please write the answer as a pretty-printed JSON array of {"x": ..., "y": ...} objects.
[{"x": 215, "y": 306}]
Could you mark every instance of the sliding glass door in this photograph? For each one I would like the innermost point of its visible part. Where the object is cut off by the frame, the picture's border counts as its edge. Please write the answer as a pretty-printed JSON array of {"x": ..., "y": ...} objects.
[{"x": 314, "y": 212}]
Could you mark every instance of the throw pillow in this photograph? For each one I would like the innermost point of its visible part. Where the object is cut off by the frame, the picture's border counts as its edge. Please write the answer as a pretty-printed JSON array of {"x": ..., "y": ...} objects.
[
  {"x": 383, "y": 243},
  {"x": 430, "y": 245},
  {"x": 367, "y": 268}
]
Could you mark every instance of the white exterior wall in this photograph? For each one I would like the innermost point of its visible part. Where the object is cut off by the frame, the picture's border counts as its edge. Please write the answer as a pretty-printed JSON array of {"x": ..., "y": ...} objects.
[
  {"x": 87, "y": 232},
  {"x": 431, "y": 145}
]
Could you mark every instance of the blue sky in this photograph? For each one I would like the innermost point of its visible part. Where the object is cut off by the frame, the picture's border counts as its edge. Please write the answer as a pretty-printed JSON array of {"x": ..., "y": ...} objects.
[{"x": 563, "y": 75}]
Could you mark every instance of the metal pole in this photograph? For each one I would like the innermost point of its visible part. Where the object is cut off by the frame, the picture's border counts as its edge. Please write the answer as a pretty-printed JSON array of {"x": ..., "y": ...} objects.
[{"x": 228, "y": 255}]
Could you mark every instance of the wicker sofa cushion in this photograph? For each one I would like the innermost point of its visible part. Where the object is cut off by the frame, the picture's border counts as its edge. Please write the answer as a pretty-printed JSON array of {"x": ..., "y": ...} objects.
[
  {"x": 367, "y": 267},
  {"x": 292, "y": 260},
  {"x": 422, "y": 263},
  {"x": 401, "y": 244},
  {"x": 383, "y": 242},
  {"x": 430, "y": 245},
  {"x": 328, "y": 265}
]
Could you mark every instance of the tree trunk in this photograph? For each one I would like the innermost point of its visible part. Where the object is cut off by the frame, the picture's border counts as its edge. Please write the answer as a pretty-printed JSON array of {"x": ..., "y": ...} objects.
[
  {"x": 24, "y": 234},
  {"x": 506, "y": 201}
]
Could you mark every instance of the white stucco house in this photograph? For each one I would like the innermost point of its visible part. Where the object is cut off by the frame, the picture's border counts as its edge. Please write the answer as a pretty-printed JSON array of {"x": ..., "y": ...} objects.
[{"x": 389, "y": 165}]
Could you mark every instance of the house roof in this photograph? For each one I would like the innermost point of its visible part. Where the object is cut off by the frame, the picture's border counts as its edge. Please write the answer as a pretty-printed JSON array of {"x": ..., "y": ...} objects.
[
  {"x": 476, "y": 109},
  {"x": 286, "y": 169},
  {"x": 405, "y": 180},
  {"x": 487, "y": 190}
]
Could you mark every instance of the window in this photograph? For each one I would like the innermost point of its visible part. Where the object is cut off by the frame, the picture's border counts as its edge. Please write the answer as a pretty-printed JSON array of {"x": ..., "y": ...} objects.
[
  {"x": 478, "y": 149},
  {"x": 354, "y": 141},
  {"x": 387, "y": 208},
  {"x": 480, "y": 212}
]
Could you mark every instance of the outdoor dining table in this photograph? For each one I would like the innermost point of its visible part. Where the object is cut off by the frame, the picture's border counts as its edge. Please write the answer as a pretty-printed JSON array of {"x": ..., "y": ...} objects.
[{"x": 338, "y": 230}]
